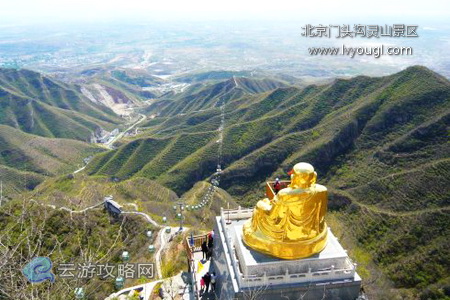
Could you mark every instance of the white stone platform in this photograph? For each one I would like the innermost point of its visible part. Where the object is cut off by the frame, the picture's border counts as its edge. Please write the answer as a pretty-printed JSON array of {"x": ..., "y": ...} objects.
[
  {"x": 332, "y": 263},
  {"x": 329, "y": 274}
]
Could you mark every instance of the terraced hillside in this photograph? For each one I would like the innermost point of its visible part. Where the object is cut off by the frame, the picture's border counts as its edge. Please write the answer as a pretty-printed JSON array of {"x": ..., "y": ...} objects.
[
  {"x": 318, "y": 124},
  {"x": 380, "y": 144},
  {"x": 37, "y": 104},
  {"x": 25, "y": 159},
  {"x": 204, "y": 96}
]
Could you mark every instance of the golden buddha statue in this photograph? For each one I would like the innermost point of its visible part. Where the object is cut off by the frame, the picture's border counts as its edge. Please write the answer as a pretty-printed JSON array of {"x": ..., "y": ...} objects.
[{"x": 292, "y": 224}]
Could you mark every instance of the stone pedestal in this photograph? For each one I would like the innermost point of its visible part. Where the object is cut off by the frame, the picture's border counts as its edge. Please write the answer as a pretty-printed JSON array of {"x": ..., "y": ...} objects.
[{"x": 244, "y": 272}]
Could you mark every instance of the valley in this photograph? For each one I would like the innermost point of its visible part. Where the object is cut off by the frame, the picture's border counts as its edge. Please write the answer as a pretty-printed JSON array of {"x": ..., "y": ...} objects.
[{"x": 380, "y": 145}]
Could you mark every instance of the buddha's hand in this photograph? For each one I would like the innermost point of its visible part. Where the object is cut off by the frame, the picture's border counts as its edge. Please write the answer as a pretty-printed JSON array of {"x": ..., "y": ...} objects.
[{"x": 264, "y": 205}]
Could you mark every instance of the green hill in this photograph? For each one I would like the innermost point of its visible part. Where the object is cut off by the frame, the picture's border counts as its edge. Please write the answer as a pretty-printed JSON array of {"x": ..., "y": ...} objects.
[
  {"x": 139, "y": 78},
  {"x": 317, "y": 123},
  {"x": 379, "y": 144},
  {"x": 135, "y": 194},
  {"x": 211, "y": 76},
  {"x": 43, "y": 106},
  {"x": 123, "y": 85},
  {"x": 221, "y": 75},
  {"x": 200, "y": 97},
  {"x": 25, "y": 159},
  {"x": 30, "y": 230}
]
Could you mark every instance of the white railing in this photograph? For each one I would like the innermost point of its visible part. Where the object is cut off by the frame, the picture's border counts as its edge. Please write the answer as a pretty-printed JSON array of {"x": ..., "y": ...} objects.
[
  {"x": 230, "y": 248},
  {"x": 195, "y": 290},
  {"x": 228, "y": 251},
  {"x": 314, "y": 276},
  {"x": 236, "y": 214}
]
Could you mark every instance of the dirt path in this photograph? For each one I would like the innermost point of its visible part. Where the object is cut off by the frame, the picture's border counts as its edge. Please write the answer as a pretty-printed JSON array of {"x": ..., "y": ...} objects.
[
  {"x": 389, "y": 212},
  {"x": 68, "y": 209},
  {"x": 147, "y": 217}
]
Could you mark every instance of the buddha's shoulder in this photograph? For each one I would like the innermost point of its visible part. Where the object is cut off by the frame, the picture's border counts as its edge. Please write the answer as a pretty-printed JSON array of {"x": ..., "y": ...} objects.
[
  {"x": 290, "y": 191},
  {"x": 320, "y": 188},
  {"x": 286, "y": 191}
]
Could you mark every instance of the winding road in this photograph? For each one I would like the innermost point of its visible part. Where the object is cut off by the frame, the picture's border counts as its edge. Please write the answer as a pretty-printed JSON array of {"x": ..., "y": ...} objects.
[
  {"x": 147, "y": 217},
  {"x": 79, "y": 170},
  {"x": 110, "y": 143}
]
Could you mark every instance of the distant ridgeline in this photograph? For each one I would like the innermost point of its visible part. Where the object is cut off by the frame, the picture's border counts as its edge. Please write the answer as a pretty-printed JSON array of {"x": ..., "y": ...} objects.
[{"x": 373, "y": 126}]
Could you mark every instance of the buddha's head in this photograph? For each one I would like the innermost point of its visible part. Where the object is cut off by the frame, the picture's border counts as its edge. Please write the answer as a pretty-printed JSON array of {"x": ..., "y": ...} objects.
[{"x": 303, "y": 175}]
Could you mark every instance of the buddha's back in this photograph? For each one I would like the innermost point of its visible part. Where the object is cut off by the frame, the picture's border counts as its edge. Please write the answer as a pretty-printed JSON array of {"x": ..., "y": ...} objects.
[
  {"x": 293, "y": 224},
  {"x": 305, "y": 211}
]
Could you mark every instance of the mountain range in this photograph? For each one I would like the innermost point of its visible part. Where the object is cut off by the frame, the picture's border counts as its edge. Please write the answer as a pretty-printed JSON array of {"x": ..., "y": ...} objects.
[
  {"x": 380, "y": 145},
  {"x": 40, "y": 105}
]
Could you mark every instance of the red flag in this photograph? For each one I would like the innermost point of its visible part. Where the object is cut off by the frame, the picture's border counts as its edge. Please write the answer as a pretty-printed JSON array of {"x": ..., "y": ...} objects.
[{"x": 291, "y": 172}]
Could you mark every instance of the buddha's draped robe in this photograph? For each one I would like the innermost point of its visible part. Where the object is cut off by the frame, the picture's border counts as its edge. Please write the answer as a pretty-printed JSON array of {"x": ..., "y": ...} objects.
[{"x": 294, "y": 218}]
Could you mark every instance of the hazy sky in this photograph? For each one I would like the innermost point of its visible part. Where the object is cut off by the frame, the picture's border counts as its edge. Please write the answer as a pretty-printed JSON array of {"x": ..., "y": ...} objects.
[{"x": 44, "y": 10}]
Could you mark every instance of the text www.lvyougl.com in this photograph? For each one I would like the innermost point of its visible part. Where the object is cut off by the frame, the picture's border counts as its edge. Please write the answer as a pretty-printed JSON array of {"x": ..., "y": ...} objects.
[{"x": 376, "y": 52}]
